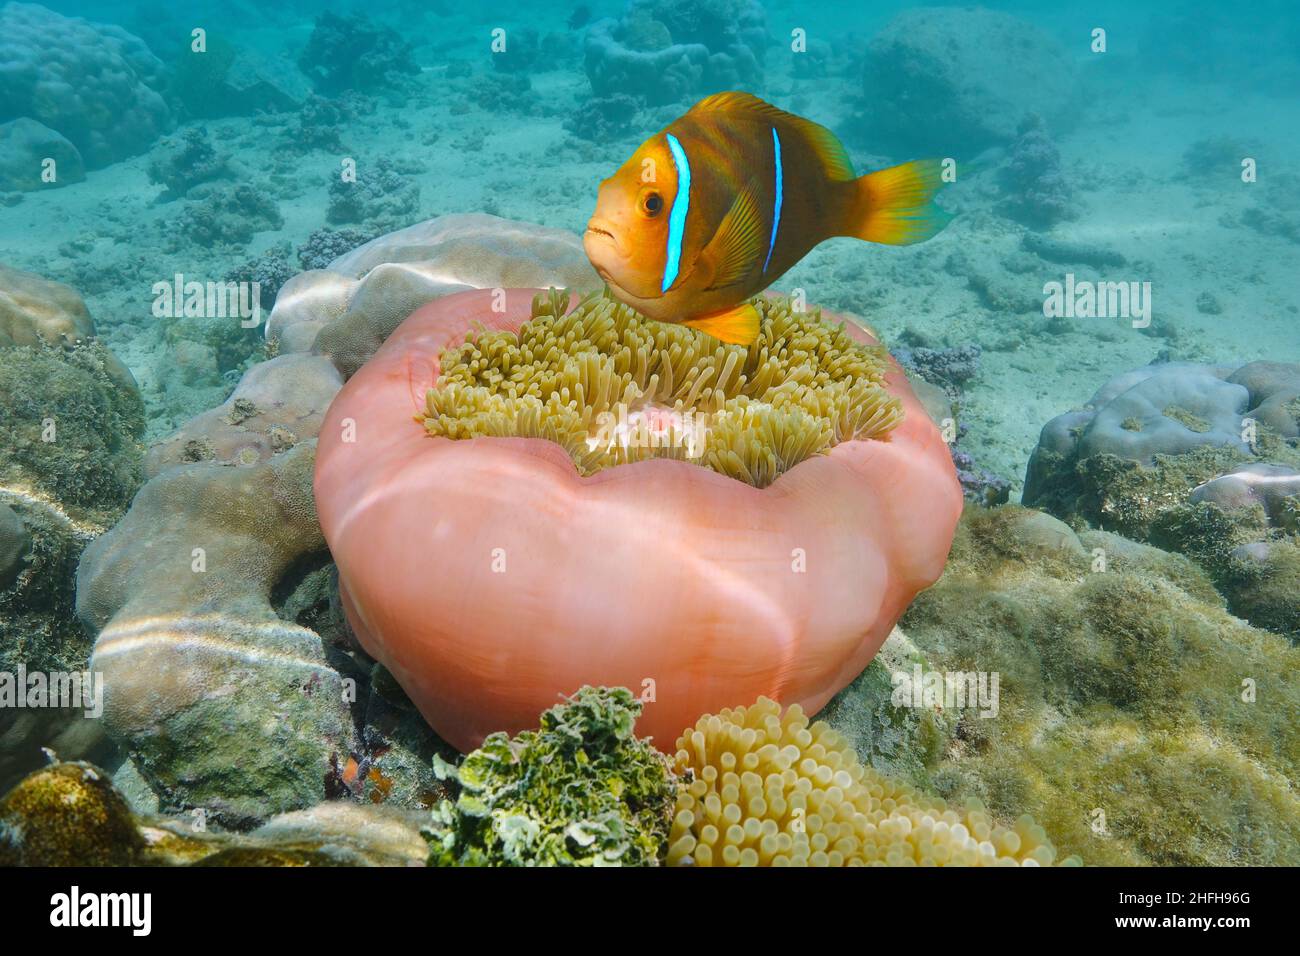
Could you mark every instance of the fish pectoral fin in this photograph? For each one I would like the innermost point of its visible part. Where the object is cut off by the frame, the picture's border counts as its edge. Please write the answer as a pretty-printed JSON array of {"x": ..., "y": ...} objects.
[
  {"x": 735, "y": 248},
  {"x": 738, "y": 326}
]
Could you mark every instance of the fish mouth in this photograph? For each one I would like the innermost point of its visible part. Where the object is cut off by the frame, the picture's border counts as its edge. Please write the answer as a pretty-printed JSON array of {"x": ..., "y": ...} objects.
[{"x": 597, "y": 230}]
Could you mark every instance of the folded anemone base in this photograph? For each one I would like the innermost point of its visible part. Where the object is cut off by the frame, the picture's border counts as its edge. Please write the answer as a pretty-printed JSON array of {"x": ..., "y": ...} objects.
[{"x": 493, "y": 579}]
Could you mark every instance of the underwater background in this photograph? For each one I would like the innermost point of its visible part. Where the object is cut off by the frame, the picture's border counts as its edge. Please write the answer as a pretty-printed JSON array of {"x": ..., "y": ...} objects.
[{"x": 1128, "y": 560}]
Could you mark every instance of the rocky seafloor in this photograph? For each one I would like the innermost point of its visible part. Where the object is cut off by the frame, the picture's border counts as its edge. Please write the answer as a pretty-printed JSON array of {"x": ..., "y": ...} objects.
[{"x": 1128, "y": 562}]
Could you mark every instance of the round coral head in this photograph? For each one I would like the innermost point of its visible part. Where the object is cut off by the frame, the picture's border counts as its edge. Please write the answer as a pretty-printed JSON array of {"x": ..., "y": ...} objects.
[{"x": 491, "y": 578}]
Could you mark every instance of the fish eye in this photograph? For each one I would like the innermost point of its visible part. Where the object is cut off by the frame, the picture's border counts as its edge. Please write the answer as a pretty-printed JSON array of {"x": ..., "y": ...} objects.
[{"x": 652, "y": 204}]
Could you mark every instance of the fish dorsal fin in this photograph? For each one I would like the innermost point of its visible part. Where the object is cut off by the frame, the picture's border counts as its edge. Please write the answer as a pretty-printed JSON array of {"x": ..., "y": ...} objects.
[
  {"x": 824, "y": 144},
  {"x": 735, "y": 248},
  {"x": 735, "y": 326}
]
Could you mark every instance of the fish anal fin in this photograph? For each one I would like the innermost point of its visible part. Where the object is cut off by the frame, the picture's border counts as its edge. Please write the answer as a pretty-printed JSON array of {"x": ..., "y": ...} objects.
[
  {"x": 737, "y": 326},
  {"x": 736, "y": 247},
  {"x": 830, "y": 152}
]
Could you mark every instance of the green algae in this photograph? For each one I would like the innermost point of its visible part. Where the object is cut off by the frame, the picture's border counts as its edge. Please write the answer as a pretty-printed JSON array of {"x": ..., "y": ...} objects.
[
  {"x": 1139, "y": 722},
  {"x": 581, "y": 790},
  {"x": 1189, "y": 420}
]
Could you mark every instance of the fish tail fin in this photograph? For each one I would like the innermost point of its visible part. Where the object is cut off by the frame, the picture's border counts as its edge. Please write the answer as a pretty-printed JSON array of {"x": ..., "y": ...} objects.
[{"x": 895, "y": 205}]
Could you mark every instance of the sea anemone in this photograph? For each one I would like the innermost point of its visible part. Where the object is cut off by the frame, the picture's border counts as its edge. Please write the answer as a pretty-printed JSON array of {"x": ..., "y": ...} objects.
[
  {"x": 611, "y": 387},
  {"x": 767, "y": 789},
  {"x": 494, "y": 560}
]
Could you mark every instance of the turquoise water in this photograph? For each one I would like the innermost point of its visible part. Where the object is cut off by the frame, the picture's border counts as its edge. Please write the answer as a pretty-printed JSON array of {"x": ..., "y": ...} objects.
[{"x": 1086, "y": 334}]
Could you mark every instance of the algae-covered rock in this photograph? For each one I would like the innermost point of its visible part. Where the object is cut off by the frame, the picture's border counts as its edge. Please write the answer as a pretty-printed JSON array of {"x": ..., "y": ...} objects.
[
  {"x": 27, "y": 149},
  {"x": 1198, "y": 459},
  {"x": 67, "y": 815},
  {"x": 14, "y": 542},
  {"x": 71, "y": 416},
  {"x": 68, "y": 430},
  {"x": 70, "y": 814},
  {"x": 1265, "y": 584},
  {"x": 70, "y": 458},
  {"x": 1136, "y": 720},
  {"x": 334, "y": 833},
  {"x": 581, "y": 790},
  {"x": 899, "y": 741},
  {"x": 223, "y": 705}
]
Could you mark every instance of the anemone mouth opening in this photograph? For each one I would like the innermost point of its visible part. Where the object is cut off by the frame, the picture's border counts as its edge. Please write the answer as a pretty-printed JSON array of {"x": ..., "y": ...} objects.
[{"x": 612, "y": 387}]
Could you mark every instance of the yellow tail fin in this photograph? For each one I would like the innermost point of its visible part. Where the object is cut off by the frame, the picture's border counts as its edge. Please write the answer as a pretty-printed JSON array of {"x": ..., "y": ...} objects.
[
  {"x": 738, "y": 326},
  {"x": 894, "y": 205}
]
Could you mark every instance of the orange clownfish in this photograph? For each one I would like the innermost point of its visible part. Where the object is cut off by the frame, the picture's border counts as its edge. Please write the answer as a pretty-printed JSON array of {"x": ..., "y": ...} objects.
[{"x": 722, "y": 202}]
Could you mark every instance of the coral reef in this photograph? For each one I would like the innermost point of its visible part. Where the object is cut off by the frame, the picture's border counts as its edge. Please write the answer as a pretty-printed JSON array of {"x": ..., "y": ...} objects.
[
  {"x": 95, "y": 84},
  {"x": 217, "y": 217},
  {"x": 950, "y": 368},
  {"x": 270, "y": 271},
  {"x": 69, "y": 464},
  {"x": 355, "y": 54},
  {"x": 366, "y": 293},
  {"x": 954, "y": 81},
  {"x": 69, "y": 430},
  {"x": 209, "y": 349},
  {"x": 325, "y": 245},
  {"x": 25, "y": 145},
  {"x": 1217, "y": 158},
  {"x": 380, "y": 197},
  {"x": 601, "y": 119},
  {"x": 216, "y": 607},
  {"x": 37, "y": 311},
  {"x": 661, "y": 51},
  {"x": 581, "y": 790},
  {"x": 318, "y": 124},
  {"x": 978, "y": 485},
  {"x": 1157, "y": 454},
  {"x": 764, "y": 554},
  {"x": 1167, "y": 409},
  {"x": 71, "y": 419},
  {"x": 186, "y": 160},
  {"x": 1136, "y": 720},
  {"x": 1276, "y": 211},
  {"x": 1272, "y": 487},
  {"x": 70, "y": 814},
  {"x": 763, "y": 788},
  {"x": 225, "y": 80},
  {"x": 897, "y": 740},
  {"x": 528, "y": 50},
  {"x": 193, "y": 655},
  {"x": 509, "y": 93},
  {"x": 1034, "y": 187},
  {"x": 276, "y": 404}
]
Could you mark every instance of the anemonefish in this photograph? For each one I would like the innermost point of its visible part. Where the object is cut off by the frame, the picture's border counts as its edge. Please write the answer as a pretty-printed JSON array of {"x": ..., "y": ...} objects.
[{"x": 722, "y": 202}]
